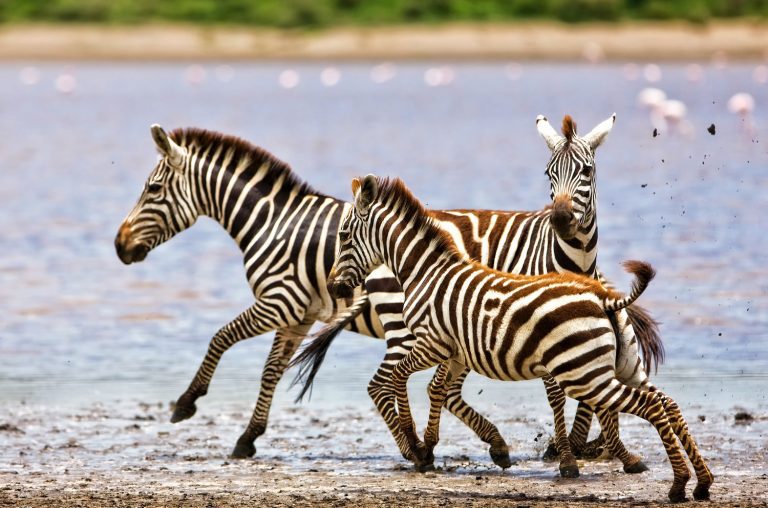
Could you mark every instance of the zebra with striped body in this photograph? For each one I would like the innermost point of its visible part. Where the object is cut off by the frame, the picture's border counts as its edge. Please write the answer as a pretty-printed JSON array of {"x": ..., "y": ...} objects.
[
  {"x": 287, "y": 233},
  {"x": 261, "y": 204},
  {"x": 557, "y": 239},
  {"x": 507, "y": 327}
]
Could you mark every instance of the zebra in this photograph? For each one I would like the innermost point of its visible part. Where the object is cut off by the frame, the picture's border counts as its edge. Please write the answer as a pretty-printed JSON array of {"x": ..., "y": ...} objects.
[
  {"x": 504, "y": 326},
  {"x": 257, "y": 199},
  {"x": 287, "y": 233},
  {"x": 559, "y": 238}
]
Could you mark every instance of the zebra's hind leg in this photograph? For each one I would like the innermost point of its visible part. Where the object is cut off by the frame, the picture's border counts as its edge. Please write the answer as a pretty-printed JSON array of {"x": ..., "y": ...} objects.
[
  {"x": 285, "y": 344},
  {"x": 254, "y": 321},
  {"x": 609, "y": 421},
  {"x": 568, "y": 466},
  {"x": 485, "y": 430},
  {"x": 646, "y": 405},
  {"x": 425, "y": 354},
  {"x": 704, "y": 477}
]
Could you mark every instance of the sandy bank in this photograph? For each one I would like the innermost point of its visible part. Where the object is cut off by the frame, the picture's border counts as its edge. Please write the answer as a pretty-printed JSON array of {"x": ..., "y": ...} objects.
[{"x": 627, "y": 41}]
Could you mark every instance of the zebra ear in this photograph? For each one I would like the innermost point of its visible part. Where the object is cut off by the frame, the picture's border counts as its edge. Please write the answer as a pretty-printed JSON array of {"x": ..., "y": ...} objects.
[
  {"x": 369, "y": 190},
  {"x": 597, "y": 135},
  {"x": 355, "y": 186},
  {"x": 167, "y": 147},
  {"x": 550, "y": 135}
]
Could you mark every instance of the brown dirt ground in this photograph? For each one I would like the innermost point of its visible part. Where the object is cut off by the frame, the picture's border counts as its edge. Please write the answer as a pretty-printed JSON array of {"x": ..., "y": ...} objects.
[
  {"x": 128, "y": 454},
  {"x": 315, "y": 489}
]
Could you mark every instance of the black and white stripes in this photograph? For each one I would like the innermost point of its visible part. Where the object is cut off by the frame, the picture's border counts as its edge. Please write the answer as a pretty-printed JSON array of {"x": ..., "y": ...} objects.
[
  {"x": 287, "y": 233},
  {"x": 508, "y": 327},
  {"x": 558, "y": 239}
]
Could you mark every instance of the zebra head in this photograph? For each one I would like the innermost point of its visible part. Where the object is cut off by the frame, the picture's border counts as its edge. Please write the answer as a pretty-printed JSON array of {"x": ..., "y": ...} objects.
[
  {"x": 165, "y": 206},
  {"x": 355, "y": 258},
  {"x": 571, "y": 172}
]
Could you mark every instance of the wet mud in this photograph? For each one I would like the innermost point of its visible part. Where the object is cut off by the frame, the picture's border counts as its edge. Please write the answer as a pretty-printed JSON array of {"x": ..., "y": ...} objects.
[{"x": 127, "y": 454}]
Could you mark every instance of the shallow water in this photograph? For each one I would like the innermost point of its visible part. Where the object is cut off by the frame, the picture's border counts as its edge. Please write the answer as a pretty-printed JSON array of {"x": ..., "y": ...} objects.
[{"x": 79, "y": 328}]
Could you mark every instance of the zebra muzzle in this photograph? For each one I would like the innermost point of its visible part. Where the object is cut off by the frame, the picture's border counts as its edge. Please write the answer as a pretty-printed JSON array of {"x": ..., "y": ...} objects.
[
  {"x": 126, "y": 250},
  {"x": 340, "y": 289},
  {"x": 563, "y": 219}
]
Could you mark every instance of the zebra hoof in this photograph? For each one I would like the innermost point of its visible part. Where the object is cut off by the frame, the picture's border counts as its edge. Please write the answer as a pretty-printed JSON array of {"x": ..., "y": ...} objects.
[
  {"x": 424, "y": 468},
  {"x": 500, "y": 457},
  {"x": 592, "y": 450},
  {"x": 423, "y": 454},
  {"x": 637, "y": 467},
  {"x": 677, "y": 495},
  {"x": 701, "y": 492},
  {"x": 243, "y": 449},
  {"x": 551, "y": 452},
  {"x": 569, "y": 471},
  {"x": 183, "y": 412}
]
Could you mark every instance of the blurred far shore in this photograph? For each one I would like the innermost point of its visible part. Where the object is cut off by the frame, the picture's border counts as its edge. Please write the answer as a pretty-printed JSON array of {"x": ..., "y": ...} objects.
[{"x": 740, "y": 39}]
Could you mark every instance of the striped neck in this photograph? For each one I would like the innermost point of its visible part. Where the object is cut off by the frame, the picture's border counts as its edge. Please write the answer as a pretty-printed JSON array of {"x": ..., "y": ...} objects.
[
  {"x": 579, "y": 254},
  {"x": 407, "y": 240},
  {"x": 241, "y": 186}
]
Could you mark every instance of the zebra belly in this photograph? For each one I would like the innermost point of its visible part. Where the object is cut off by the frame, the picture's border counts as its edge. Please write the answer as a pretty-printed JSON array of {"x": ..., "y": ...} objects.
[{"x": 488, "y": 365}]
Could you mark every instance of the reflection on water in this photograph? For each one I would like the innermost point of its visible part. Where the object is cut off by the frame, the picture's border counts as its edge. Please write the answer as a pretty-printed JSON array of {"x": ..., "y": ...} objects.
[{"x": 79, "y": 327}]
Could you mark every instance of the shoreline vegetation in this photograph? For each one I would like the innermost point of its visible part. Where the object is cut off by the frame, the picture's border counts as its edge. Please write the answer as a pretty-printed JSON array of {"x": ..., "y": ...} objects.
[
  {"x": 335, "y": 13},
  {"x": 542, "y": 40}
]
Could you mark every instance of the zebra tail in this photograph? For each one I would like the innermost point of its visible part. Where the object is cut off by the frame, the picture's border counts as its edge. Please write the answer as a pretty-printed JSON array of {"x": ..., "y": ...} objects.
[
  {"x": 311, "y": 356},
  {"x": 646, "y": 331},
  {"x": 643, "y": 273},
  {"x": 648, "y": 337}
]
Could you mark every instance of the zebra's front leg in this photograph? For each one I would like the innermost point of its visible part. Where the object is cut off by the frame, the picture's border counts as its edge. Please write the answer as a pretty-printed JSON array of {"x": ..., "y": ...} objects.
[
  {"x": 556, "y": 397},
  {"x": 285, "y": 344},
  {"x": 383, "y": 395},
  {"x": 437, "y": 391},
  {"x": 423, "y": 356},
  {"x": 257, "y": 319},
  {"x": 485, "y": 430},
  {"x": 582, "y": 422}
]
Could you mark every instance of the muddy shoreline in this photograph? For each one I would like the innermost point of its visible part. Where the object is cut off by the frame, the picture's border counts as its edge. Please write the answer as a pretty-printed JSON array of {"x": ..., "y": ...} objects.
[
  {"x": 126, "y": 454},
  {"x": 639, "y": 41}
]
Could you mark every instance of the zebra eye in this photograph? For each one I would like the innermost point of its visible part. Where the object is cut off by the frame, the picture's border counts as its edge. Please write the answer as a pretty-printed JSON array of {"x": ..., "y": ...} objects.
[
  {"x": 587, "y": 169},
  {"x": 343, "y": 236},
  {"x": 154, "y": 188}
]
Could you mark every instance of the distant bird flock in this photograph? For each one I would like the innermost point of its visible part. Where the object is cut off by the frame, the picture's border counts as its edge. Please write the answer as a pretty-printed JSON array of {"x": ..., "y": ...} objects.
[{"x": 666, "y": 115}]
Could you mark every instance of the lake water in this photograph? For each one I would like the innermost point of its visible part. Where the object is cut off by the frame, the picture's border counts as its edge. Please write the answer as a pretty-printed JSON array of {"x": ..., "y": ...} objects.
[{"x": 80, "y": 328}]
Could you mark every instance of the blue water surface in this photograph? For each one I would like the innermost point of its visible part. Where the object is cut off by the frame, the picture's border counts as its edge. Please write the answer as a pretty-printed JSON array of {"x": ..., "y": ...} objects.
[{"x": 78, "y": 327}]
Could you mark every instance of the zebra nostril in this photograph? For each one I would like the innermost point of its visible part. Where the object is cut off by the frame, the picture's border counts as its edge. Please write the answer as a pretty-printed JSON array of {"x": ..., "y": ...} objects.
[{"x": 340, "y": 289}]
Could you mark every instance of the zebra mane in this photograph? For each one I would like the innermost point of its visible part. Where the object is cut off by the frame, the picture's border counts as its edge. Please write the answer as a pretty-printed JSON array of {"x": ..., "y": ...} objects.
[
  {"x": 569, "y": 128},
  {"x": 193, "y": 137},
  {"x": 395, "y": 193}
]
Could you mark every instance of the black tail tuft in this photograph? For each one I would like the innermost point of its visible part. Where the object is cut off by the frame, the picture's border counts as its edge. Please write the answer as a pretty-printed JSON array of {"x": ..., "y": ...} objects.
[
  {"x": 311, "y": 356},
  {"x": 648, "y": 337},
  {"x": 646, "y": 328}
]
